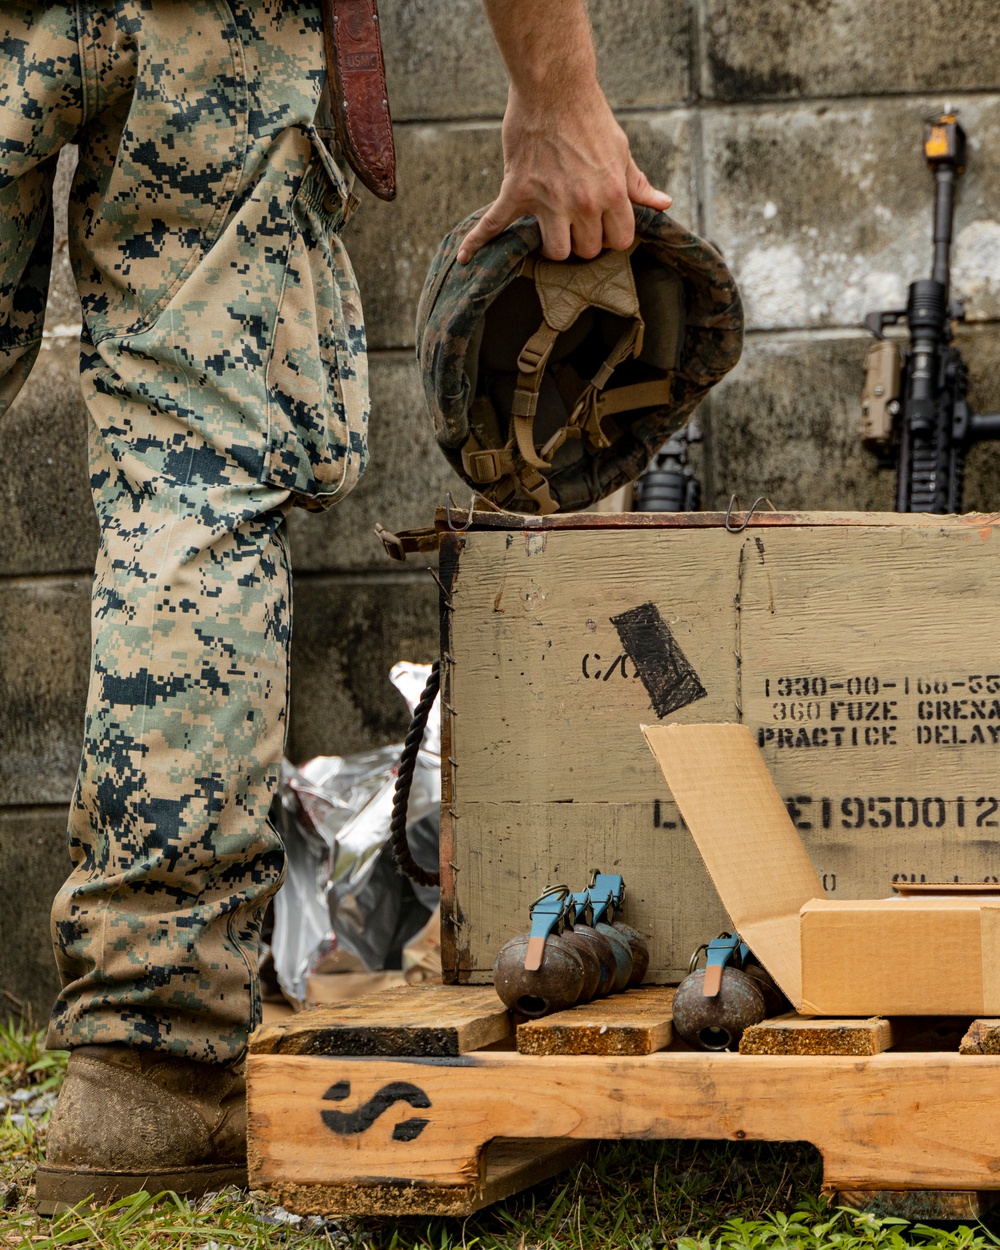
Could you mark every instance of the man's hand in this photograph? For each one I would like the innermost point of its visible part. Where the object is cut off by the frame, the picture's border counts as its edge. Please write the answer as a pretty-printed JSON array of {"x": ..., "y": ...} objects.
[{"x": 566, "y": 159}]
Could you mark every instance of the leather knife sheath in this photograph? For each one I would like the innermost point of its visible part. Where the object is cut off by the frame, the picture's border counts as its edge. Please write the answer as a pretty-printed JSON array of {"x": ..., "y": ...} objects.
[{"x": 358, "y": 92}]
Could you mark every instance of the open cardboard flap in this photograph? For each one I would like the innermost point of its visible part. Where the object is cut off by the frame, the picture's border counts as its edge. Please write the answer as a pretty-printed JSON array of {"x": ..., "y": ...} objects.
[
  {"x": 924, "y": 952},
  {"x": 764, "y": 877}
]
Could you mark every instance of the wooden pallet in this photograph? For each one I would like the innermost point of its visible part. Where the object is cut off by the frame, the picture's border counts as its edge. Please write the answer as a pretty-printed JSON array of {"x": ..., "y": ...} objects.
[{"x": 430, "y": 1100}]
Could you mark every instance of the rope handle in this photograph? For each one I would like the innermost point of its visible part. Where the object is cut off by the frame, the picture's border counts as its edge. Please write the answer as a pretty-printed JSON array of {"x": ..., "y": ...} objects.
[{"x": 405, "y": 863}]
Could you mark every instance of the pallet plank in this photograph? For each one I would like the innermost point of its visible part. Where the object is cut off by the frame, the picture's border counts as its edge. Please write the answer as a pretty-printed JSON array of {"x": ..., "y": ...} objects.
[
  {"x": 896, "y": 1120},
  {"x": 920, "y": 1204},
  {"x": 637, "y": 1022},
  {"x": 792, "y": 1034},
  {"x": 410, "y": 1020},
  {"x": 509, "y": 1167},
  {"x": 982, "y": 1038}
]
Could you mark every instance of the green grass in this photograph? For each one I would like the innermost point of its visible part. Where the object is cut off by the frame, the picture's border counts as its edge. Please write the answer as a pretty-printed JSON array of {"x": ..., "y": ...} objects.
[
  {"x": 24, "y": 1061},
  {"x": 633, "y": 1195}
]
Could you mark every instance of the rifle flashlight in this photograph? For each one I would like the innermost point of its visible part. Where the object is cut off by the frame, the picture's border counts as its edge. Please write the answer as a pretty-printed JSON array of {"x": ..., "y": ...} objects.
[{"x": 944, "y": 142}]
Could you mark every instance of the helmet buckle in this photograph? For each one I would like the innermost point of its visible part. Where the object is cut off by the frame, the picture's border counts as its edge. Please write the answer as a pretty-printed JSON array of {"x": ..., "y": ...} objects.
[{"x": 486, "y": 466}]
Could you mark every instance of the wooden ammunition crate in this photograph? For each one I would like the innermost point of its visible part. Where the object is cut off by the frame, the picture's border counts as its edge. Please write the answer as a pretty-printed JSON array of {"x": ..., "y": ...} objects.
[
  {"x": 430, "y": 1100},
  {"x": 860, "y": 648}
]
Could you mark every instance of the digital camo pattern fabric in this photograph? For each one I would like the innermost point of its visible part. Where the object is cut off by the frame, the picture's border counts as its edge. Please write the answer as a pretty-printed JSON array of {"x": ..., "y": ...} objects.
[{"x": 223, "y": 365}]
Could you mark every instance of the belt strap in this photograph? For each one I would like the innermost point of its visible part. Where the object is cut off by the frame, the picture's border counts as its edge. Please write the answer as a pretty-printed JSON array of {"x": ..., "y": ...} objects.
[{"x": 358, "y": 92}]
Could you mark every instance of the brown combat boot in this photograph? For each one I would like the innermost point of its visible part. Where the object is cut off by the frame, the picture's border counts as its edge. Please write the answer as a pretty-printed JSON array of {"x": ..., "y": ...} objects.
[{"x": 130, "y": 1119}]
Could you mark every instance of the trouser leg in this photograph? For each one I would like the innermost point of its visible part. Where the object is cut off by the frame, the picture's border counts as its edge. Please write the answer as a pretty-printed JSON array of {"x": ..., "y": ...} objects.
[
  {"x": 156, "y": 928},
  {"x": 41, "y": 105},
  {"x": 223, "y": 378}
]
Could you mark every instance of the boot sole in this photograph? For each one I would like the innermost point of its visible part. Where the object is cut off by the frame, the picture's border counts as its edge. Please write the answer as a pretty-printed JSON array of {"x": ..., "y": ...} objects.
[{"x": 60, "y": 1189}]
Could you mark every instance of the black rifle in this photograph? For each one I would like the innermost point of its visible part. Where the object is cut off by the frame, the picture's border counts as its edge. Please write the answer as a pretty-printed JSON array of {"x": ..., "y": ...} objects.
[
  {"x": 915, "y": 415},
  {"x": 670, "y": 483}
]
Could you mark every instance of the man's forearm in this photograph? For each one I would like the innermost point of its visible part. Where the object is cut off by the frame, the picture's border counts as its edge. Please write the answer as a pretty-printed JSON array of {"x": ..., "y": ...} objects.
[
  {"x": 546, "y": 46},
  {"x": 566, "y": 159}
]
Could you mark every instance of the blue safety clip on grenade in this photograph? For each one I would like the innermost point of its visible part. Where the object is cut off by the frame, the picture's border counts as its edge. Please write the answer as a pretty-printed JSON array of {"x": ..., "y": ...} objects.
[
  {"x": 715, "y": 1005},
  {"x": 607, "y": 893},
  {"x": 599, "y": 903}
]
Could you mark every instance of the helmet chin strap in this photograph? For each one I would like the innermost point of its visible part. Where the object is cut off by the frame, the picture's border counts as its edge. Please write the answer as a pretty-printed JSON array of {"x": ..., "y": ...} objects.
[
  {"x": 565, "y": 290},
  {"x": 524, "y": 405},
  {"x": 586, "y": 414}
]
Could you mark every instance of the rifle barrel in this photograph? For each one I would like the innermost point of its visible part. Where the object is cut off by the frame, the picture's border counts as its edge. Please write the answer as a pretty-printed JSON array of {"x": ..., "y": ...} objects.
[{"x": 944, "y": 205}]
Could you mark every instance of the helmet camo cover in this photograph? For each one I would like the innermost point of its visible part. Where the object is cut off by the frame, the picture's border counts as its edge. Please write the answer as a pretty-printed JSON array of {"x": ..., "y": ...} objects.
[{"x": 553, "y": 383}]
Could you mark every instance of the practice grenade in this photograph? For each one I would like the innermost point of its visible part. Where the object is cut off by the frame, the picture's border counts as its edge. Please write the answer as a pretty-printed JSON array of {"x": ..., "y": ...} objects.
[
  {"x": 593, "y": 973},
  {"x": 715, "y": 1005},
  {"x": 597, "y": 914},
  {"x": 639, "y": 949},
  {"x": 585, "y": 933},
  {"x": 775, "y": 1003},
  {"x": 539, "y": 972},
  {"x": 613, "y": 884}
]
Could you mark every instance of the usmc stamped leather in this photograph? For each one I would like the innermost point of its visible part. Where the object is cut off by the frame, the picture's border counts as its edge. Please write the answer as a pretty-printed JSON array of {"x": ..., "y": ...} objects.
[{"x": 358, "y": 92}]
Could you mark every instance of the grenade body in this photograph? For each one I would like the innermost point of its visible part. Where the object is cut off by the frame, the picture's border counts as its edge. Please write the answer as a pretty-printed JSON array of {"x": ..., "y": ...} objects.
[
  {"x": 556, "y": 985},
  {"x": 774, "y": 1001},
  {"x": 640, "y": 951},
  {"x": 623, "y": 955},
  {"x": 719, "y": 1022},
  {"x": 591, "y": 963},
  {"x": 604, "y": 951}
]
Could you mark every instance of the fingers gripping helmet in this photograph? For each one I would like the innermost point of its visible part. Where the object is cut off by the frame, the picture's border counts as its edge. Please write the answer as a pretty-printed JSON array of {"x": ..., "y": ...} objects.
[{"x": 553, "y": 383}]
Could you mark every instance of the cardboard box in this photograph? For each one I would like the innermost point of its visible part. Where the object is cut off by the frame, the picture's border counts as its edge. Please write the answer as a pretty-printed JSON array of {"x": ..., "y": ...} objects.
[
  {"x": 925, "y": 952},
  {"x": 859, "y": 648}
]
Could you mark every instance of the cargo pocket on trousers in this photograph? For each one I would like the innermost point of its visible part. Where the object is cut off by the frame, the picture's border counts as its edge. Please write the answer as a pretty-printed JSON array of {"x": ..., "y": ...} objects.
[{"x": 317, "y": 371}]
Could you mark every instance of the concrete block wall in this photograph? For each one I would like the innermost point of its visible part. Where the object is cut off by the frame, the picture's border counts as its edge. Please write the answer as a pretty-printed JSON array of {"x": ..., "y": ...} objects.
[{"x": 787, "y": 131}]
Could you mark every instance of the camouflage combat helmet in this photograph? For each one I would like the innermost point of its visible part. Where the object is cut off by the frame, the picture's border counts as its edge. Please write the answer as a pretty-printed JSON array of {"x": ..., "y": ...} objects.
[{"x": 553, "y": 383}]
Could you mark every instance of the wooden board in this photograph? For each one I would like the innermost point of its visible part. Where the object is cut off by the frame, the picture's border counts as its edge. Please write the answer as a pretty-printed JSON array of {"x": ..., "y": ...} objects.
[
  {"x": 762, "y": 518},
  {"x": 892, "y": 1121},
  {"x": 793, "y": 1034},
  {"x": 920, "y": 1204},
  {"x": 405, "y": 1020},
  {"x": 981, "y": 1038},
  {"x": 508, "y": 1168},
  {"x": 885, "y": 756},
  {"x": 637, "y": 1022}
]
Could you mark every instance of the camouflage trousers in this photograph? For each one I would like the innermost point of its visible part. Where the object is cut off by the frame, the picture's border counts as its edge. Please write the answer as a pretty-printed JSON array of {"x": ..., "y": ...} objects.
[{"x": 223, "y": 368}]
